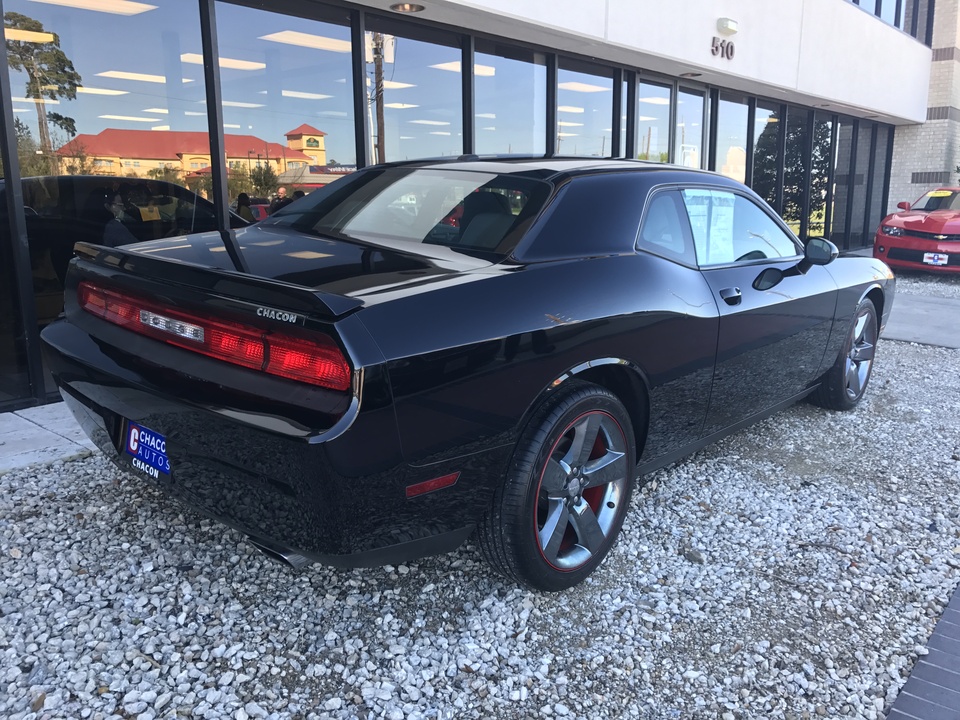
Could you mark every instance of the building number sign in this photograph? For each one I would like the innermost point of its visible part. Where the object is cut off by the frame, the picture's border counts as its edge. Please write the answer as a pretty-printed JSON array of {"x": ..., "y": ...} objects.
[{"x": 722, "y": 48}]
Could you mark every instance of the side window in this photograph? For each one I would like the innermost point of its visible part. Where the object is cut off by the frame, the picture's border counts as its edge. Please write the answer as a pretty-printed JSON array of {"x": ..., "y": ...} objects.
[
  {"x": 730, "y": 228},
  {"x": 664, "y": 230}
]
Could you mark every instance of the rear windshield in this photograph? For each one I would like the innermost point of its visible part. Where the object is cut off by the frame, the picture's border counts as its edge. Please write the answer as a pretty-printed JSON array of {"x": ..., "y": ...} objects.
[
  {"x": 938, "y": 200},
  {"x": 475, "y": 212}
]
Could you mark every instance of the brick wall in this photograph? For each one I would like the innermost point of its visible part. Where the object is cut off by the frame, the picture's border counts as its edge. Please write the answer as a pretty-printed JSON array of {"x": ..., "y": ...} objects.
[{"x": 925, "y": 156}]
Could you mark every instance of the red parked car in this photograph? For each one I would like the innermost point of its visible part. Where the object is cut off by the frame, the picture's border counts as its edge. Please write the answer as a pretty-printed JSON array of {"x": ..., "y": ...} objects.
[{"x": 924, "y": 236}]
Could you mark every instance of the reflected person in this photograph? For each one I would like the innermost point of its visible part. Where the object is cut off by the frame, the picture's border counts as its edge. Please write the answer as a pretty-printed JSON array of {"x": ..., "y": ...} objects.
[{"x": 115, "y": 233}]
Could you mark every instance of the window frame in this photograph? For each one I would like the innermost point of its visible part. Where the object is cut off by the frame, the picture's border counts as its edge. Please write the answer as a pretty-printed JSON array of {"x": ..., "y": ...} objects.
[
  {"x": 763, "y": 207},
  {"x": 686, "y": 229}
]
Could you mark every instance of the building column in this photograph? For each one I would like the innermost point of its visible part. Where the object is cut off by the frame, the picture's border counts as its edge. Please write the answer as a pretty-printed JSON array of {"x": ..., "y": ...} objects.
[{"x": 926, "y": 156}]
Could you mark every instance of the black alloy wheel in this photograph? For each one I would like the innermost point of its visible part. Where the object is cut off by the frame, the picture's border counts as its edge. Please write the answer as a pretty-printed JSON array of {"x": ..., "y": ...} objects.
[
  {"x": 845, "y": 383},
  {"x": 562, "y": 505}
]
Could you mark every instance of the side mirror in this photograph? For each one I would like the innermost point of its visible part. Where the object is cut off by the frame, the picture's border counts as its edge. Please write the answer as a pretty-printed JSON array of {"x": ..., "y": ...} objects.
[
  {"x": 818, "y": 251},
  {"x": 903, "y": 205}
]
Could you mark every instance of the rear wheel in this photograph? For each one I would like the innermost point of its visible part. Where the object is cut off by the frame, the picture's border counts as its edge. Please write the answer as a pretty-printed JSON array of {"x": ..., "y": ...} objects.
[
  {"x": 562, "y": 504},
  {"x": 845, "y": 383}
]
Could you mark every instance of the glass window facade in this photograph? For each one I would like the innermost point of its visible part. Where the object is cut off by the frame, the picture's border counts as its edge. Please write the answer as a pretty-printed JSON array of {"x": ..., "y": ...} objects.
[
  {"x": 114, "y": 138},
  {"x": 688, "y": 140},
  {"x": 414, "y": 92},
  {"x": 14, "y": 375},
  {"x": 287, "y": 100},
  {"x": 584, "y": 110},
  {"x": 911, "y": 16},
  {"x": 510, "y": 91},
  {"x": 796, "y": 165},
  {"x": 766, "y": 152},
  {"x": 730, "y": 148},
  {"x": 653, "y": 121}
]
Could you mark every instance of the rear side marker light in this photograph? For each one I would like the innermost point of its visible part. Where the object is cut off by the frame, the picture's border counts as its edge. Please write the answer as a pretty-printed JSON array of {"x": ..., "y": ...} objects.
[
  {"x": 422, "y": 488},
  {"x": 315, "y": 361}
]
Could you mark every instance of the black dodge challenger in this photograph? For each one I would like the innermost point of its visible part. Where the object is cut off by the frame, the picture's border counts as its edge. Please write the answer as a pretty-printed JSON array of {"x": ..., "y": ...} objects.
[{"x": 421, "y": 351}]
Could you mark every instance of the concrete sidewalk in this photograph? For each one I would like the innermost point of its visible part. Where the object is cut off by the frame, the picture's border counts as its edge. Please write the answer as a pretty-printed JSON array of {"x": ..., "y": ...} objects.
[
  {"x": 40, "y": 435},
  {"x": 924, "y": 319}
]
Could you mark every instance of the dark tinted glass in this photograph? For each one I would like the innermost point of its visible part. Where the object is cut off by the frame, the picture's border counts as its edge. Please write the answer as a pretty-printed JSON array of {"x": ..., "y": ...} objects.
[
  {"x": 14, "y": 381},
  {"x": 938, "y": 200},
  {"x": 859, "y": 185},
  {"x": 795, "y": 167},
  {"x": 820, "y": 189},
  {"x": 766, "y": 152},
  {"x": 470, "y": 211}
]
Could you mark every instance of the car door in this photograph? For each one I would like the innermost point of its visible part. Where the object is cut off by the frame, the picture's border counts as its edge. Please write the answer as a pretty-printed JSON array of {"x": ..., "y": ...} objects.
[{"x": 772, "y": 337}]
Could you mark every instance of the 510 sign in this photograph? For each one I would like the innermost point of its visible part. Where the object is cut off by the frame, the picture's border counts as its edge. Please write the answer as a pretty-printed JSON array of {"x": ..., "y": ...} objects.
[{"x": 722, "y": 48}]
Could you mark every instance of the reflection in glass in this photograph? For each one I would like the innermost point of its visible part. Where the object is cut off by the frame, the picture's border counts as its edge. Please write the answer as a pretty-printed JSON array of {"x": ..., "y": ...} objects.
[
  {"x": 510, "y": 91},
  {"x": 288, "y": 102},
  {"x": 623, "y": 119},
  {"x": 870, "y": 5},
  {"x": 584, "y": 113},
  {"x": 731, "y": 159},
  {"x": 14, "y": 380},
  {"x": 688, "y": 149},
  {"x": 795, "y": 167},
  {"x": 859, "y": 186},
  {"x": 413, "y": 96},
  {"x": 839, "y": 230},
  {"x": 119, "y": 97},
  {"x": 766, "y": 152},
  {"x": 653, "y": 122},
  {"x": 888, "y": 11},
  {"x": 819, "y": 176},
  {"x": 876, "y": 211}
]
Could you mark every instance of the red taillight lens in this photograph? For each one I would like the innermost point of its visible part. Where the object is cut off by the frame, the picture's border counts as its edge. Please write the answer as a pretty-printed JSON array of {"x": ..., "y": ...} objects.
[{"x": 317, "y": 361}]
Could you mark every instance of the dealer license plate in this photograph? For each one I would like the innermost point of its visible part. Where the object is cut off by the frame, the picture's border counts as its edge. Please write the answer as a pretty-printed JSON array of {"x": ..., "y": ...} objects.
[
  {"x": 935, "y": 258},
  {"x": 147, "y": 450}
]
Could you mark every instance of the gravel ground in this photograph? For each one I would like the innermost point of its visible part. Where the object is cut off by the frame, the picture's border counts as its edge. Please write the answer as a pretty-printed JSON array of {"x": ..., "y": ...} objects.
[
  {"x": 914, "y": 282},
  {"x": 793, "y": 570}
]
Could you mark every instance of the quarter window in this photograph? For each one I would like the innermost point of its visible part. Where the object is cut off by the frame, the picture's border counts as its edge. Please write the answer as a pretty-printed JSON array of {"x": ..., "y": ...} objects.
[
  {"x": 663, "y": 230},
  {"x": 729, "y": 228}
]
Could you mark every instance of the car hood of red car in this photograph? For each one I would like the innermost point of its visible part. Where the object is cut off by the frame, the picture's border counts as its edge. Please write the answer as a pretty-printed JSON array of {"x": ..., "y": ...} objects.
[{"x": 941, "y": 222}]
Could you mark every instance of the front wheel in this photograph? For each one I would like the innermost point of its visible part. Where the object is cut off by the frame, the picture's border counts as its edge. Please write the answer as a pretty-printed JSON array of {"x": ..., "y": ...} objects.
[
  {"x": 562, "y": 504},
  {"x": 844, "y": 384}
]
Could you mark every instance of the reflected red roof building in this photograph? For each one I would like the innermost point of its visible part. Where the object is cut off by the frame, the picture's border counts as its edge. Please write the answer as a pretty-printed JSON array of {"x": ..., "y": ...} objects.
[{"x": 135, "y": 152}]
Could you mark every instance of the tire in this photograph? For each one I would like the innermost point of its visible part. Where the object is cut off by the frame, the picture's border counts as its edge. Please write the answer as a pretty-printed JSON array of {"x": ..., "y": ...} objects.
[
  {"x": 566, "y": 493},
  {"x": 844, "y": 384}
]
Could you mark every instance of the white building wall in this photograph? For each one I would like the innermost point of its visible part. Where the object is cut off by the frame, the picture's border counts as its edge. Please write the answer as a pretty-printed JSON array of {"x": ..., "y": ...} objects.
[{"x": 812, "y": 52}]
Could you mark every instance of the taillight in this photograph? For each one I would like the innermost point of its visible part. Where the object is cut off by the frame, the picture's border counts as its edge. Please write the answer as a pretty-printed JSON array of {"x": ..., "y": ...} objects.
[{"x": 317, "y": 361}]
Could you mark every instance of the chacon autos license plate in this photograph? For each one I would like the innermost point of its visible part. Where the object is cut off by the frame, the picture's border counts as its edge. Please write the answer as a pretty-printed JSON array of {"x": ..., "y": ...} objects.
[
  {"x": 148, "y": 450},
  {"x": 935, "y": 258}
]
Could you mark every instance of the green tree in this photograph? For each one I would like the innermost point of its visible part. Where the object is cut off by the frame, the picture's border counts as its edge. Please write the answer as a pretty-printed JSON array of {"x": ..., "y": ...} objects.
[
  {"x": 264, "y": 179},
  {"x": 795, "y": 163},
  {"x": 166, "y": 173},
  {"x": 32, "y": 160},
  {"x": 238, "y": 181},
  {"x": 50, "y": 75}
]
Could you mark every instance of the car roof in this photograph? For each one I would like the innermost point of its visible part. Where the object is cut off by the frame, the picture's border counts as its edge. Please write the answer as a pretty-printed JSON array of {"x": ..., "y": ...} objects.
[{"x": 542, "y": 167}]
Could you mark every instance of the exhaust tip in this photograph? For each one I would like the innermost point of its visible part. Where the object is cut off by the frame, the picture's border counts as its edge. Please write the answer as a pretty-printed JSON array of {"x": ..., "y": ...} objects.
[{"x": 286, "y": 556}]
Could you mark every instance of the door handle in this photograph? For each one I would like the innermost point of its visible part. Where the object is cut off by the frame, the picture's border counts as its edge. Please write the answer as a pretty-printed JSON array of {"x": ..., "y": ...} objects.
[{"x": 731, "y": 296}]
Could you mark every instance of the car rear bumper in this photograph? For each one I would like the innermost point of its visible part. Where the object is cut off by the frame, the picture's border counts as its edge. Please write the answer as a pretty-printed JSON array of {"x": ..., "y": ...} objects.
[
  {"x": 341, "y": 502},
  {"x": 908, "y": 252}
]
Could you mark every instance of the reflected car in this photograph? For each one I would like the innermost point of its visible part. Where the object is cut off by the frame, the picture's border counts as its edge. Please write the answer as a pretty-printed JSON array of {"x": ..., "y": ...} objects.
[
  {"x": 922, "y": 236},
  {"x": 381, "y": 385},
  {"x": 62, "y": 210}
]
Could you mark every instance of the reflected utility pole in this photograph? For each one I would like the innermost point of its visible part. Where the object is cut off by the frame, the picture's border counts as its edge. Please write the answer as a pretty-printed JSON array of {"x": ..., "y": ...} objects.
[{"x": 378, "y": 92}]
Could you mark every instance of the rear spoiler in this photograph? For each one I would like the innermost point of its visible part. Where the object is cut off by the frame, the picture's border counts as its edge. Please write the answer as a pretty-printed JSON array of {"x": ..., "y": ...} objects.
[{"x": 230, "y": 283}]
